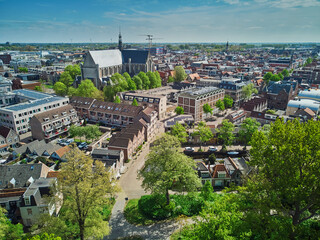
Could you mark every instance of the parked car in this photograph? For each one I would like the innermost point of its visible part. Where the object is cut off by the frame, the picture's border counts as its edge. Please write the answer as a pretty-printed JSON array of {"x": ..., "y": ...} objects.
[
  {"x": 83, "y": 146},
  {"x": 189, "y": 149},
  {"x": 70, "y": 140},
  {"x": 212, "y": 149}
]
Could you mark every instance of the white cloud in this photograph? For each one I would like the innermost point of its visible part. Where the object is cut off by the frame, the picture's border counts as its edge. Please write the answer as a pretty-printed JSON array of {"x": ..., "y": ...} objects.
[{"x": 290, "y": 3}]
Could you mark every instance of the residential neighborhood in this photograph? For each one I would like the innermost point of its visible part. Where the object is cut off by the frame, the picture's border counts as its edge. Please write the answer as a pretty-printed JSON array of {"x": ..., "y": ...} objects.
[{"x": 187, "y": 139}]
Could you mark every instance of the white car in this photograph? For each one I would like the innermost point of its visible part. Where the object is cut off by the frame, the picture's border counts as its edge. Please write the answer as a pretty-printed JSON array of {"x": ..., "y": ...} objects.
[
  {"x": 212, "y": 149},
  {"x": 189, "y": 149}
]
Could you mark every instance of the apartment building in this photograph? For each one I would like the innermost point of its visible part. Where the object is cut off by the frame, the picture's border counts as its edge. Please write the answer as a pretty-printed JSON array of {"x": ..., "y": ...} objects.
[
  {"x": 233, "y": 88},
  {"x": 50, "y": 124},
  {"x": 151, "y": 99},
  {"x": 108, "y": 113},
  {"x": 193, "y": 100},
  {"x": 17, "y": 116}
]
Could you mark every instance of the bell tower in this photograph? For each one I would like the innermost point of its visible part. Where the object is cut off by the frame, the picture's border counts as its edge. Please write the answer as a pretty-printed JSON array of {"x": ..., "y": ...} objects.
[{"x": 120, "y": 41}]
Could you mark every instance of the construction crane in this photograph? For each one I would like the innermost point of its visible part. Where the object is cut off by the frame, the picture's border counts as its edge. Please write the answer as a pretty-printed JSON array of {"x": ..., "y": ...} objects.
[{"x": 149, "y": 38}]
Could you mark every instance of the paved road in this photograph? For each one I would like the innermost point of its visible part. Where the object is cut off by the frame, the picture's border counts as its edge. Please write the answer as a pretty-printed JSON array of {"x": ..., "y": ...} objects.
[{"x": 131, "y": 188}]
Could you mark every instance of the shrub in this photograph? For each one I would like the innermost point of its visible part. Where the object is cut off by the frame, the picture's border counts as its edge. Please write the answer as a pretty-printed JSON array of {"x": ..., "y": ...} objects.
[
  {"x": 224, "y": 149},
  {"x": 189, "y": 205},
  {"x": 23, "y": 161},
  {"x": 200, "y": 150},
  {"x": 42, "y": 159},
  {"x": 127, "y": 160},
  {"x": 155, "y": 207}
]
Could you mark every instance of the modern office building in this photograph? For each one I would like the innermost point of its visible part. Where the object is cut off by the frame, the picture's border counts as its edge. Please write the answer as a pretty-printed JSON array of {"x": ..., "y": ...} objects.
[{"x": 30, "y": 102}]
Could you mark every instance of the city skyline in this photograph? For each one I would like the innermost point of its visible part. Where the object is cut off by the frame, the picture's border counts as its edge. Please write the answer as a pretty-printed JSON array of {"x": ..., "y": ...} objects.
[{"x": 255, "y": 21}]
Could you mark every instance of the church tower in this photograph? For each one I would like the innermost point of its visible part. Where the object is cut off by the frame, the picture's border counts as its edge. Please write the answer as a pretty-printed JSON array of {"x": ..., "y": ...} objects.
[
  {"x": 227, "y": 46},
  {"x": 120, "y": 41}
]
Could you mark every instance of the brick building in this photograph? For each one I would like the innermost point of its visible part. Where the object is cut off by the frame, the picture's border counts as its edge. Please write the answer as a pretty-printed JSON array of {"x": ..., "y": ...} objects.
[{"x": 193, "y": 100}]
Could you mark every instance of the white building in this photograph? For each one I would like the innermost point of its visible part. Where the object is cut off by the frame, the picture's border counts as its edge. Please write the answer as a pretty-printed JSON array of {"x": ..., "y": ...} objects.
[{"x": 17, "y": 116}]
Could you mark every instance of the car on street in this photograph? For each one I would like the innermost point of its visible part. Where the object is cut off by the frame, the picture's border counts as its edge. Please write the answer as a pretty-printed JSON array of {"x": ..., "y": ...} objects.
[
  {"x": 189, "y": 149},
  {"x": 212, "y": 149}
]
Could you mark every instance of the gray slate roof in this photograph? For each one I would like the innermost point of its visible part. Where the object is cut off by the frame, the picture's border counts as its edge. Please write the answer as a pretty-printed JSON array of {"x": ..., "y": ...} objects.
[
  {"x": 21, "y": 173},
  {"x": 106, "y": 58}
]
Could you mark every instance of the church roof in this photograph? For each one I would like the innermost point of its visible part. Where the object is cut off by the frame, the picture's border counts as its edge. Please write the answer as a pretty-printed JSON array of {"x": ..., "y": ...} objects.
[
  {"x": 137, "y": 56},
  {"x": 106, "y": 58}
]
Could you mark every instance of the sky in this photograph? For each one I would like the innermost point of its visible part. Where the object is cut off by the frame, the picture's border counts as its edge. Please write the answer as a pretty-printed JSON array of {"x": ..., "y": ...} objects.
[{"x": 169, "y": 21}]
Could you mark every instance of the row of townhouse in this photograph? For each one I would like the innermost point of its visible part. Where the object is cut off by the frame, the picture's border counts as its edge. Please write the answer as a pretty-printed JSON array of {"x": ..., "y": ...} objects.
[
  {"x": 107, "y": 113},
  {"x": 50, "y": 124}
]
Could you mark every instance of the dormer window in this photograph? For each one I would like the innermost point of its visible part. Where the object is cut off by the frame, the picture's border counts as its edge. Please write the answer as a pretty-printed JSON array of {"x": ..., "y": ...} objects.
[
  {"x": 46, "y": 119},
  {"x": 55, "y": 116},
  {"x": 63, "y": 113},
  {"x": 72, "y": 111},
  {"x": 27, "y": 200}
]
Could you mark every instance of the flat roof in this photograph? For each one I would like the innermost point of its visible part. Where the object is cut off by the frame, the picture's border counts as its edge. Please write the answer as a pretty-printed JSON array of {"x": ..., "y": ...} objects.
[
  {"x": 200, "y": 91},
  {"x": 32, "y": 103},
  {"x": 31, "y": 94}
]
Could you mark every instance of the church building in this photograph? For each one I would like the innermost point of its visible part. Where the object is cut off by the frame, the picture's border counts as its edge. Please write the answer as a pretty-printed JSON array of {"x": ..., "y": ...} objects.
[{"x": 100, "y": 65}]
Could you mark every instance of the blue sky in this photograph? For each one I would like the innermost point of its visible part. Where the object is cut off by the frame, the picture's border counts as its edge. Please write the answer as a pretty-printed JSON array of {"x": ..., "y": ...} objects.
[{"x": 172, "y": 21}]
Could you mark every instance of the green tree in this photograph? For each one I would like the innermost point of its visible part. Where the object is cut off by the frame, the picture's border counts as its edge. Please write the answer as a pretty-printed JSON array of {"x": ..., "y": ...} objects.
[
  {"x": 267, "y": 78},
  {"x": 228, "y": 101},
  {"x": 226, "y": 132},
  {"x": 280, "y": 76},
  {"x": 145, "y": 80},
  {"x": 126, "y": 76},
  {"x": 60, "y": 89},
  {"x": 179, "y": 110},
  {"x": 207, "y": 191},
  {"x": 7, "y": 229},
  {"x": 271, "y": 111},
  {"x": 170, "y": 79},
  {"x": 207, "y": 108},
  {"x": 109, "y": 93},
  {"x": 86, "y": 89},
  {"x": 158, "y": 79},
  {"x": 275, "y": 78},
  {"x": 248, "y": 90},
  {"x": 248, "y": 127},
  {"x": 45, "y": 236},
  {"x": 73, "y": 70},
  {"x": 308, "y": 61},
  {"x": 212, "y": 159},
  {"x": 137, "y": 80},
  {"x": 119, "y": 83},
  {"x": 204, "y": 133},
  {"x": 117, "y": 100},
  {"x": 38, "y": 88},
  {"x": 220, "y": 105},
  {"x": 23, "y": 69},
  {"x": 152, "y": 79},
  {"x": 66, "y": 79},
  {"x": 180, "y": 132},
  {"x": 285, "y": 72},
  {"x": 290, "y": 150},
  {"x": 179, "y": 74},
  {"x": 135, "y": 102},
  {"x": 168, "y": 169},
  {"x": 85, "y": 190}
]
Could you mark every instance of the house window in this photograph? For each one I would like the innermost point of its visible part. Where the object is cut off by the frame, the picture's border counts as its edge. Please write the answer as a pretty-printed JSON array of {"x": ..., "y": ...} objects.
[
  {"x": 27, "y": 201},
  {"x": 29, "y": 210},
  {"x": 222, "y": 175}
]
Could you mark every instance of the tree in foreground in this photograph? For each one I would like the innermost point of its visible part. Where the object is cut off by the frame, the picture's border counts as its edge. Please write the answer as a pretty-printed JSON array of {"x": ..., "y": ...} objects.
[
  {"x": 85, "y": 188},
  {"x": 179, "y": 131},
  {"x": 248, "y": 127},
  {"x": 8, "y": 230},
  {"x": 204, "y": 133},
  {"x": 179, "y": 74},
  {"x": 179, "y": 110},
  {"x": 168, "y": 169},
  {"x": 288, "y": 179},
  {"x": 60, "y": 89},
  {"x": 226, "y": 132}
]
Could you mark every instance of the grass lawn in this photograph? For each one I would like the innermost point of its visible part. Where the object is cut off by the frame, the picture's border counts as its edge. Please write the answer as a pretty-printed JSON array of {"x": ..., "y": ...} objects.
[
  {"x": 133, "y": 215},
  {"x": 50, "y": 86}
]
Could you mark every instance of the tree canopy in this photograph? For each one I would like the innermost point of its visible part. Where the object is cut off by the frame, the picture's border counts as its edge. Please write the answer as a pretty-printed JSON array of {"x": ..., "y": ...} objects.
[
  {"x": 137, "y": 80},
  {"x": 228, "y": 101},
  {"x": 85, "y": 189},
  {"x": 66, "y": 79},
  {"x": 204, "y": 132},
  {"x": 248, "y": 90},
  {"x": 179, "y": 110},
  {"x": 168, "y": 169},
  {"x": 179, "y": 74},
  {"x": 226, "y": 132},
  {"x": 207, "y": 108},
  {"x": 7, "y": 229},
  {"x": 179, "y": 131},
  {"x": 117, "y": 99},
  {"x": 73, "y": 70},
  {"x": 288, "y": 179},
  {"x": 135, "y": 102},
  {"x": 248, "y": 127},
  {"x": 220, "y": 105}
]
